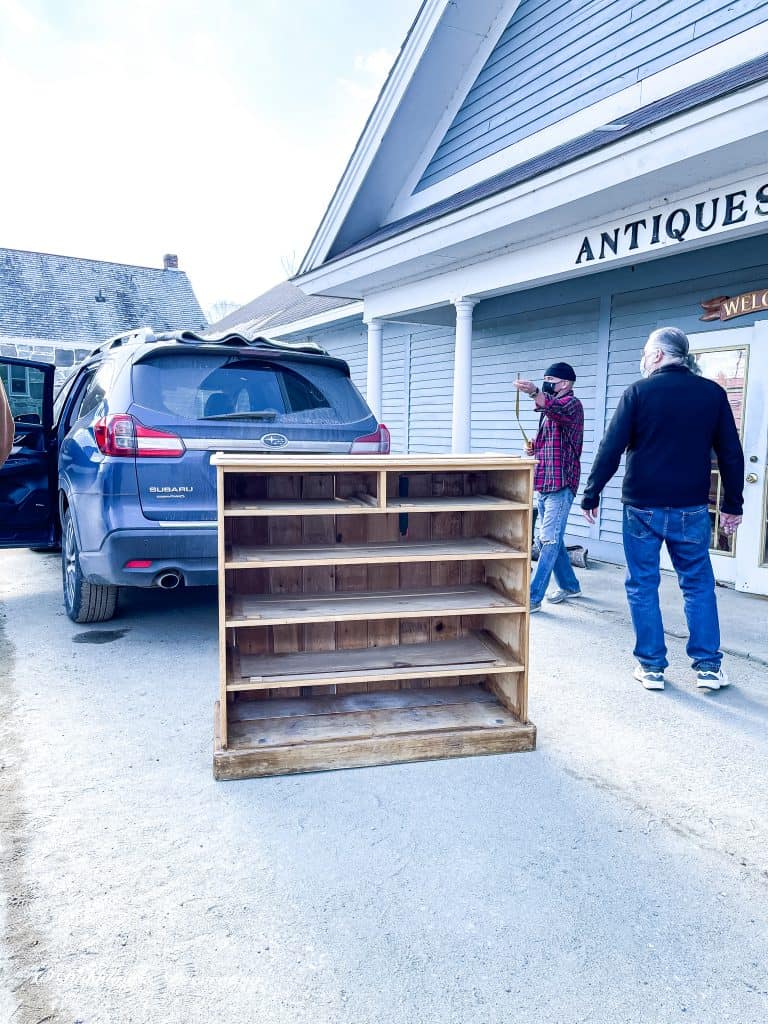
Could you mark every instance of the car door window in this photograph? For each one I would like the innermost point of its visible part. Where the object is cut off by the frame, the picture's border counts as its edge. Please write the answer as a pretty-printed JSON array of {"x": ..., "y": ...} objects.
[
  {"x": 71, "y": 385},
  {"x": 92, "y": 395}
]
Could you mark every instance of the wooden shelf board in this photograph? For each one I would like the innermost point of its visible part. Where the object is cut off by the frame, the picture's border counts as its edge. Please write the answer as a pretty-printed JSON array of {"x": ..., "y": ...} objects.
[
  {"x": 476, "y": 654},
  {"x": 242, "y": 556},
  {"x": 353, "y": 730},
  {"x": 332, "y": 507},
  {"x": 373, "y": 463},
  {"x": 470, "y": 503},
  {"x": 368, "y": 505},
  {"x": 424, "y": 602}
]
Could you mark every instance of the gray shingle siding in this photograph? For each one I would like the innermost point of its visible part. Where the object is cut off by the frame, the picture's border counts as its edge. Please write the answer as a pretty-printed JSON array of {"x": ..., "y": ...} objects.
[
  {"x": 57, "y": 308},
  {"x": 67, "y": 299}
]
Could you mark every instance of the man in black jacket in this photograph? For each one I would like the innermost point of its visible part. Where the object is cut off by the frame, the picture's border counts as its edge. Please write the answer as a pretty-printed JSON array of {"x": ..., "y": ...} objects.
[{"x": 669, "y": 423}]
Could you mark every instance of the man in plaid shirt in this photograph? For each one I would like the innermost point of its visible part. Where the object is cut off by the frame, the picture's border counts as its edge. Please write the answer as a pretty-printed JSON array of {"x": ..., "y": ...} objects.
[{"x": 558, "y": 449}]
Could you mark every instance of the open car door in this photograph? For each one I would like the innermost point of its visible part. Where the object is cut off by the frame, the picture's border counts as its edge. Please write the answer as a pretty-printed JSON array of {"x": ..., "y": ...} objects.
[{"x": 28, "y": 478}]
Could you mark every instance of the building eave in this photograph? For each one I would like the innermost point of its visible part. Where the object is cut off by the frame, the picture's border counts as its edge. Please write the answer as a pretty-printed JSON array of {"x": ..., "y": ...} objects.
[
  {"x": 534, "y": 172},
  {"x": 351, "y": 312}
]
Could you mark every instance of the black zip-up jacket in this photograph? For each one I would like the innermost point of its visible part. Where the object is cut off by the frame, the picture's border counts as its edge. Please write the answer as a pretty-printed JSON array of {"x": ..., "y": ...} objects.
[{"x": 669, "y": 424}]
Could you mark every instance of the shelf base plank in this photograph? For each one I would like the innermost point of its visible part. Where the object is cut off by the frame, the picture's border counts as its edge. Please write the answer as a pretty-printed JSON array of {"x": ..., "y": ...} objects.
[
  {"x": 476, "y": 654},
  {"x": 358, "y": 730}
]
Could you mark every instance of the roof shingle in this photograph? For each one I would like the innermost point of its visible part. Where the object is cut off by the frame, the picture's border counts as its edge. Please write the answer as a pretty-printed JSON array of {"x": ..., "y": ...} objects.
[
  {"x": 283, "y": 304},
  {"x": 65, "y": 298}
]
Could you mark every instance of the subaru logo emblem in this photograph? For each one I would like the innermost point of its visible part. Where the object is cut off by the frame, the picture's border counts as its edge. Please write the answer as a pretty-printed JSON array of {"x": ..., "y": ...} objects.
[{"x": 275, "y": 440}]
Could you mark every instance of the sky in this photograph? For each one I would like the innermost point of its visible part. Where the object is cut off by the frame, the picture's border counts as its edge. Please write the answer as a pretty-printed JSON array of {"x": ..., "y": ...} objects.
[{"x": 214, "y": 129}]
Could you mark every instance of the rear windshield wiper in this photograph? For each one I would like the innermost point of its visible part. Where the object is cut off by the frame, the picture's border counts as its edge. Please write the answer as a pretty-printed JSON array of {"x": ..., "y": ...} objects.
[{"x": 261, "y": 414}]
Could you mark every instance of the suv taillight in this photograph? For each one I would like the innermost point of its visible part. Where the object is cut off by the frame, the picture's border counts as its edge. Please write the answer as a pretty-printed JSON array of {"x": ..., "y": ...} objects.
[
  {"x": 125, "y": 436},
  {"x": 372, "y": 444}
]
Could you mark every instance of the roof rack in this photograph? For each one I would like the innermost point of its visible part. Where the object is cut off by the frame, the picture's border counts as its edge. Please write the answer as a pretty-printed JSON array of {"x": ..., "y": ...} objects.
[{"x": 232, "y": 339}]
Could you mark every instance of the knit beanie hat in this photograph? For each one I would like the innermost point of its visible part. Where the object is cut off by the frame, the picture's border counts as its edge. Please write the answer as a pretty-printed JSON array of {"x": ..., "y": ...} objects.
[{"x": 562, "y": 370}]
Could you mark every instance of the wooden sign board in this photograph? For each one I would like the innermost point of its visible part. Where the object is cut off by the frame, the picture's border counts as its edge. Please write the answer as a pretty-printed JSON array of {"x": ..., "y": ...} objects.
[{"x": 727, "y": 308}]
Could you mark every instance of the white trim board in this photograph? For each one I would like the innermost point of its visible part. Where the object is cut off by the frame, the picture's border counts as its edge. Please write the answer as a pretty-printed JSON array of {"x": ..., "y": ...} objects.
[
  {"x": 554, "y": 259},
  {"x": 638, "y": 171}
]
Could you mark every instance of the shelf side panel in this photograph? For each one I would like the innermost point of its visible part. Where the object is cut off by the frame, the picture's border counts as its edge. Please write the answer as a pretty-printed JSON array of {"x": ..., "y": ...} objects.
[
  {"x": 352, "y": 578},
  {"x": 445, "y": 526},
  {"x": 320, "y": 579},
  {"x": 383, "y": 633},
  {"x": 285, "y": 530}
]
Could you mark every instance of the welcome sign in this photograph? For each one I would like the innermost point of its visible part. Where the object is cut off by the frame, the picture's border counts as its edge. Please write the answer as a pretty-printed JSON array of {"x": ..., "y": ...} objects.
[
  {"x": 726, "y": 308},
  {"x": 712, "y": 213}
]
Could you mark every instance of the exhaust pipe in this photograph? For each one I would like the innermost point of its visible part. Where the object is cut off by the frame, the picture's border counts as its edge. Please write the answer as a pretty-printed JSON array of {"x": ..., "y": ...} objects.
[{"x": 169, "y": 580}]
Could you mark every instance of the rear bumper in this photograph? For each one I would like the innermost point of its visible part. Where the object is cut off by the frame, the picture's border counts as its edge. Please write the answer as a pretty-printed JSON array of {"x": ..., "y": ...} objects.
[{"x": 191, "y": 551}]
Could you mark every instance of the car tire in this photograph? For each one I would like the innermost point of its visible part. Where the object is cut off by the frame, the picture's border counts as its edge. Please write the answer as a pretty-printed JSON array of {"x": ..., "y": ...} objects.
[{"x": 84, "y": 601}]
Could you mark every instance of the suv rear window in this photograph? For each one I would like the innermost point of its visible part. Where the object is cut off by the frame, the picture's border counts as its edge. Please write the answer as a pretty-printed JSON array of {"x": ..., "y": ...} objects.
[{"x": 193, "y": 386}]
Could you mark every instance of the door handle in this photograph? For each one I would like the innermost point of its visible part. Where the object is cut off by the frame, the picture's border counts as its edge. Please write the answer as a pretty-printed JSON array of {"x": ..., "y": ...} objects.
[{"x": 751, "y": 478}]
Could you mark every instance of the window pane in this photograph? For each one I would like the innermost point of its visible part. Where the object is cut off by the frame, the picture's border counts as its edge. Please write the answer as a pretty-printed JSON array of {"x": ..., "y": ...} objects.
[
  {"x": 729, "y": 368},
  {"x": 24, "y": 386}
]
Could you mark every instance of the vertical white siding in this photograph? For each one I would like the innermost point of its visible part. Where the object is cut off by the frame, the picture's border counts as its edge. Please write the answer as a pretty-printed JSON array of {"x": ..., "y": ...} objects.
[
  {"x": 431, "y": 390},
  {"x": 350, "y": 344},
  {"x": 525, "y": 344},
  {"x": 396, "y": 390}
]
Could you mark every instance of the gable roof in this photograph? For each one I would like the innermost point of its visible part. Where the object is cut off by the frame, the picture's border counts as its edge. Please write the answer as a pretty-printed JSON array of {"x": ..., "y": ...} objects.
[
  {"x": 644, "y": 117},
  {"x": 412, "y": 100},
  {"x": 382, "y": 193},
  {"x": 283, "y": 304},
  {"x": 66, "y": 298}
]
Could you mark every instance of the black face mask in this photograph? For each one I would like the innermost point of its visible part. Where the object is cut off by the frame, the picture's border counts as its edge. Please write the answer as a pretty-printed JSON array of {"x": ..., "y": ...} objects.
[{"x": 548, "y": 388}]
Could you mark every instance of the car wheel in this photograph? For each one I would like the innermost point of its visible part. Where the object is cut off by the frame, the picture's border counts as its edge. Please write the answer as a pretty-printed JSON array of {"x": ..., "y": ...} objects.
[{"x": 84, "y": 601}]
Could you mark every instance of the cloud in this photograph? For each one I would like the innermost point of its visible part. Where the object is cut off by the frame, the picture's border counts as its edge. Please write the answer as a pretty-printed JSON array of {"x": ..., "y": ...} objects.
[
  {"x": 376, "y": 63},
  {"x": 135, "y": 133}
]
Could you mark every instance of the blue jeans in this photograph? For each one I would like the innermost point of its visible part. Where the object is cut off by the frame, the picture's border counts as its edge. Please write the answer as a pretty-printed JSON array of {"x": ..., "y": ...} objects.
[
  {"x": 553, "y": 556},
  {"x": 687, "y": 533}
]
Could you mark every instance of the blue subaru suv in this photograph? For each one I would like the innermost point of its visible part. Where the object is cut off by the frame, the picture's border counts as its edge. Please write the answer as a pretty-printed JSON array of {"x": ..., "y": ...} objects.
[{"x": 117, "y": 468}]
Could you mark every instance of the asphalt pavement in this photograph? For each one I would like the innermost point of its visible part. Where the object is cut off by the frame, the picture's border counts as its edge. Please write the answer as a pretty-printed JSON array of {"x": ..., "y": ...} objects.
[{"x": 619, "y": 873}]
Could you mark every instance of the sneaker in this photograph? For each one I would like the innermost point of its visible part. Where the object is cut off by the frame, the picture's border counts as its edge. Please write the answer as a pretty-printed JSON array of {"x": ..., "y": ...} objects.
[
  {"x": 711, "y": 679},
  {"x": 563, "y": 595},
  {"x": 651, "y": 678},
  {"x": 535, "y": 608}
]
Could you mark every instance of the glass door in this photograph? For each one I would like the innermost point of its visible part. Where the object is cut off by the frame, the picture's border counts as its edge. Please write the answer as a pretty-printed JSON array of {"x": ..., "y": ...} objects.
[
  {"x": 738, "y": 360},
  {"x": 752, "y": 544}
]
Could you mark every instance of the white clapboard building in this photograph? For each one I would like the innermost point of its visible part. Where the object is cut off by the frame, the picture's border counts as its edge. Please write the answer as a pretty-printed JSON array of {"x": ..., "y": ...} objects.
[{"x": 553, "y": 179}]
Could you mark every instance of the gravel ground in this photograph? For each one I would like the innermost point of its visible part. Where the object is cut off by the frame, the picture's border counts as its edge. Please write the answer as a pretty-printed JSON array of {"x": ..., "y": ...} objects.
[{"x": 617, "y": 874}]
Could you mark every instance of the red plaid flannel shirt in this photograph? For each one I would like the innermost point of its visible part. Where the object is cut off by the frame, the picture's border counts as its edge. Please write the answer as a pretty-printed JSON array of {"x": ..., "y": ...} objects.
[{"x": 558, "y": 444}]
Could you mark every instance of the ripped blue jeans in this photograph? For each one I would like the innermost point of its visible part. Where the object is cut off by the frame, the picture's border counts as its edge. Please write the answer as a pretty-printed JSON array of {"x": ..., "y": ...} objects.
[{"x": 553, "y": 556}]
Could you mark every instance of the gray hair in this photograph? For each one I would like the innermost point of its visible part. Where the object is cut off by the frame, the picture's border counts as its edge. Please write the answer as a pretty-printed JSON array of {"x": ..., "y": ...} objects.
[{"x": 675, "y": 345}]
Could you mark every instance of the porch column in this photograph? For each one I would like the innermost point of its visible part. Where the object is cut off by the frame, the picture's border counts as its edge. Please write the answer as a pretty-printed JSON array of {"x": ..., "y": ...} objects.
[
  {"x": 461, "y": 430},
  {"x": 373, "y": 387}
]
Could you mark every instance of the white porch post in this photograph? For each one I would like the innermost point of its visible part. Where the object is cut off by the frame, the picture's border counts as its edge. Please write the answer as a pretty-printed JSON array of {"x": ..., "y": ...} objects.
[
  {"x": 374, "y": 382},
  {"x": 461, "y": 431}
]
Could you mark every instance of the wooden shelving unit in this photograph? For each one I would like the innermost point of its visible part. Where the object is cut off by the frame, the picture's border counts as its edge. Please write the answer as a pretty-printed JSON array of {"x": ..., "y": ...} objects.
[{"x": 371, "y": 610}]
